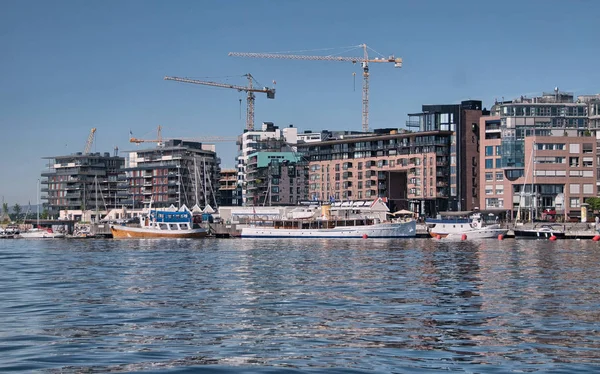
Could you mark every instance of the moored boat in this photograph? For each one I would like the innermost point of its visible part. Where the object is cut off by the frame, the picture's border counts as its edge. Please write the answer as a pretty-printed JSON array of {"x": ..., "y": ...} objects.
[
  {"x": 543, "y": 232},
  {"x": 473, "y": 228},
  {"x": 161, "y": 224},
  {"x": 40, "y": 233},
  {"x": 353, "y": 220}
]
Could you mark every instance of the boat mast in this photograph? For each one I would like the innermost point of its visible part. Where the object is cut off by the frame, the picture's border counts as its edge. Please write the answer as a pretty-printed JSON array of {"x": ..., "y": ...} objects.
[
  {"x": 96, "y": 193},
  {"x": 204, "y": 179},
  {"x": 522, "y": 198},
  {"x": 196, "y": 176},
  {"x": 38, "y": 202},
  {"x": 532, "y": 209}
]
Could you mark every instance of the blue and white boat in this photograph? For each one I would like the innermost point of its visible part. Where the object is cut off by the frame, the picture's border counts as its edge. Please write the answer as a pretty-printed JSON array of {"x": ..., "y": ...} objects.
[{"x": 161, "y": 224}]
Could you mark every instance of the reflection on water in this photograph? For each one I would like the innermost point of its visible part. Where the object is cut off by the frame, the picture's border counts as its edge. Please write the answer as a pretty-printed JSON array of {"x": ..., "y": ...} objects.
[{"x": 385, "y": 305}]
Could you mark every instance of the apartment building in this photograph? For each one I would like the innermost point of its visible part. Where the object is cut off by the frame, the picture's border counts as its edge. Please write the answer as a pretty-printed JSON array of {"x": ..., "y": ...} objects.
[
  {"x": 539, "y": 153},
  {"x": 268, "y": 138},
  {"x": 175, "y": 172},
  {"x": 462, "y": 120},
  {"x": 82, "y": 182},
  {"x": 275, "y": 178},
  {"x": 410, "y": 169},
  {"x": 229, "y": 191}
]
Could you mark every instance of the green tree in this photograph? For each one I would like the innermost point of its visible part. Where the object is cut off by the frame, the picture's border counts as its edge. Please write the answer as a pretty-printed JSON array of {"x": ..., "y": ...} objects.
[
  {"x": 594, "y": 203},
  {"x": 17, "y": 211},
  {"x": 44, "y": 214},
  {"x": 5, "y": 212}
]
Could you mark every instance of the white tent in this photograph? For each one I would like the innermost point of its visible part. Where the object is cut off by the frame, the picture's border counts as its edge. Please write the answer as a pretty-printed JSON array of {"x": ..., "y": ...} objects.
[{"x": 208, "y": 209}]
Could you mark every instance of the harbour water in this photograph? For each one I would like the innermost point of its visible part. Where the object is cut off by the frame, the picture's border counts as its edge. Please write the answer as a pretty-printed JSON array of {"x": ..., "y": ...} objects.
[{"x": 243, "y": 305}]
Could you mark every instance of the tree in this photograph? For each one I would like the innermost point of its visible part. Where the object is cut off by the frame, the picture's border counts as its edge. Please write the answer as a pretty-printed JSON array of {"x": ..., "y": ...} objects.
[
  {"x": 594, "y": 203},
  {"x": 44, "y": 214},
  {"x": 5, "y": 212},
  {"x": 17, "y": 211}
]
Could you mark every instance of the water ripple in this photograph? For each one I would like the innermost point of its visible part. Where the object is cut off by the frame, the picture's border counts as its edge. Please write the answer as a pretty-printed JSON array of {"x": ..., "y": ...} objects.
[{"x": 276, "y": 305}]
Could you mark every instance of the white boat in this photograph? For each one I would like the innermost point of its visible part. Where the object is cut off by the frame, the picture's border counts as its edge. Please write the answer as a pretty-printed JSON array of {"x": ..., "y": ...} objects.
[
  {"x": 344, "y": 220},
  {"x": 472, "y": 228},
  {"x": 40, "y": 233},
  {"x": 161, "y": 224},
  {"x": 9, "y": 233}
]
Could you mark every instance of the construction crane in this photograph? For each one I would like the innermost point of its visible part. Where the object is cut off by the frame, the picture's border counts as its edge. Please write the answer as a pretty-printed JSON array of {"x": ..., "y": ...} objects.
[
  {"x": 89, "y": 142},
  {"x": 364, "y": 61},
  {"x": 249, "y": 89},
  {"x": 205, "y": 139}
]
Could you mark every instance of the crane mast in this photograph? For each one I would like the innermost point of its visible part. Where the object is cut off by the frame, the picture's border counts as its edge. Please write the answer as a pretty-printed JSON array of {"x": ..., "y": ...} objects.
[
  {"x": 364, "y": 61},
  {"x": 250, "y": 97},
  {"x": 89, "y": 142}
]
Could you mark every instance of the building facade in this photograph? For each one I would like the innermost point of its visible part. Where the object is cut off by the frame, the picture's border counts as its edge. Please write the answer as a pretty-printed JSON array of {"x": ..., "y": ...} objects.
[
  {"x": 268, "y": 138},
  {"x": 82, "y": 182},
  {"x": 275, "y": 178},
  {"x": 176, "y": 172},
  {"x": 410, "y": 169},
  {"x": 539, "y": 154},
  {"x": 229, "y": 191},
  {"x": 462, "y": 120}
]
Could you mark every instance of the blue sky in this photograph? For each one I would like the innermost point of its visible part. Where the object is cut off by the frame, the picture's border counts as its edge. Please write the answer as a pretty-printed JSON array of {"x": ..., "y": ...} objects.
[{"x": 68, "y": 66}]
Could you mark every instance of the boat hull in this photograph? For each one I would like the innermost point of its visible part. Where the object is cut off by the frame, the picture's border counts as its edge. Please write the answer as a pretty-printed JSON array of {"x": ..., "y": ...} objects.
[
  {"x": 381, "y": 230},
  {"x": 125, "y": 232},
  {"x": 39, "y": 234},
  {"x": 472, "y": 234},
  {"x": 537, "y": 234}
]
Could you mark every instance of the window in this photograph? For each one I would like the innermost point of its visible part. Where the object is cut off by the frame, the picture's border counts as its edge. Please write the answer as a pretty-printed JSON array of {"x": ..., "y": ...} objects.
[
  {"x": 489, "y": 150},
  {"x": 489, "y": 177},
  {"x": 498, "y": 150},
  {"x": 588, "y": 189},
  {"x": 574, "y": 161},
  {"x": 574, "y": 202},
  {"x": 573, "y": 148},
  {"x": 574, "y": 188},
  {"x": 489, "y": 163},
  {"x": 498, "y": 163},
  {"x": 499, "y": 189},
  {"x": 499, "y": 176}
]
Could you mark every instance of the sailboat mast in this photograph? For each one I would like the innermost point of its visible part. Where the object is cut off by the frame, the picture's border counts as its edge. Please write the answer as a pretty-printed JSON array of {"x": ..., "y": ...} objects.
[
  {"x": 38, "y": 202},
  {"x": 533, "y": 196},
  {"x": 204, "y": 179},
  {"x": 96, "y": 191}
]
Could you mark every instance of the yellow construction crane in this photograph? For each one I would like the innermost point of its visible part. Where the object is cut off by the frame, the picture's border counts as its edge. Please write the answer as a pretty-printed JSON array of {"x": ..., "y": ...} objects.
[
  {"x": 89, "y": 142},
  {"x": 249, "y": 89},
  {"x": 205, "y": 139},
  {"x": 364, "y": 61}
]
